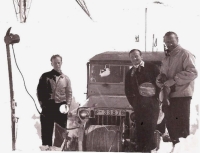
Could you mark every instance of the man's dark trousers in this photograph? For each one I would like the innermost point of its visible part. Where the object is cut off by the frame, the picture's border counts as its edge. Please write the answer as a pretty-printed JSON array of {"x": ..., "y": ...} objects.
[
  {"x": 178, "y": 118},
  {"x": 146, "y": 121},
  {"x": 50, "y": 115}
]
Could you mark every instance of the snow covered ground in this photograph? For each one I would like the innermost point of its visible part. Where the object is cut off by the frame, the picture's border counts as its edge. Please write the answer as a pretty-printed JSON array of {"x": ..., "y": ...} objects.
[{"x": 28, "y": 136}]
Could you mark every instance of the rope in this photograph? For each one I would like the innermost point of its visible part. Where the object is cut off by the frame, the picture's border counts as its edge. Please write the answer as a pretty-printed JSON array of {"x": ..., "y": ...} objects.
[{"x": 24, "y": 81}]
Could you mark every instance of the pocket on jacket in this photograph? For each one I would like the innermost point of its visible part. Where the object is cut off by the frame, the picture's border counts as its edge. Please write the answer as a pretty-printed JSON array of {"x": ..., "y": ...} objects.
[{"x": 62, "y": 91}]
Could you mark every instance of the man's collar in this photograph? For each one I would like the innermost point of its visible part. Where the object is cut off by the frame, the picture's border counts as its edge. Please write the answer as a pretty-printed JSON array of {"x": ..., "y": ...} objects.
[
  {"x": 141, "y": 64},
  {"x": 174, "y": 51},
  {"x": 56, "y": 72},
  {"x": 134, "y": 68}
]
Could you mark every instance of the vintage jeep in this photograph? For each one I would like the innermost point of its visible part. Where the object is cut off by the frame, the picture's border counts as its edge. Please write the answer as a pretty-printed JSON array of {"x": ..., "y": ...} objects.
[{"x": 107, "y": 117}]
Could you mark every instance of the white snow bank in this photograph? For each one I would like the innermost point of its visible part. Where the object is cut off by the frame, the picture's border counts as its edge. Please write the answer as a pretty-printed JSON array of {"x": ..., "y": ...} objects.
[{"x": 189, "y": 144}]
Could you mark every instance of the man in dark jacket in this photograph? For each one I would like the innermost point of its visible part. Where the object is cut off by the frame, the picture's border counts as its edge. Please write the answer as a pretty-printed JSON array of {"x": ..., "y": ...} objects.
[
  {"x": 54, "y": 90},
  {"x": 142, "y": 94}
]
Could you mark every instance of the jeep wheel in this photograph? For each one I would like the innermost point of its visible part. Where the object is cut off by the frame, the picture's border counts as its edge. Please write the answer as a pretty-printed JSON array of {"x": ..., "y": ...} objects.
[{"x": 103, "y": 138}]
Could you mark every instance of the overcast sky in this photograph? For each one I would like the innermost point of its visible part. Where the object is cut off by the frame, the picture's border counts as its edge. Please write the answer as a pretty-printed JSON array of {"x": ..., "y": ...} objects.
[{"x": 61, "y": 27}]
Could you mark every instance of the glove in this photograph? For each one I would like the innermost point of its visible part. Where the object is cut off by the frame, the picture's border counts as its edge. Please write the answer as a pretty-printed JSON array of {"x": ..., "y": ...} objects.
[
  {"x": 169, "y": 82},
  {"x": 161, "y": 78}
]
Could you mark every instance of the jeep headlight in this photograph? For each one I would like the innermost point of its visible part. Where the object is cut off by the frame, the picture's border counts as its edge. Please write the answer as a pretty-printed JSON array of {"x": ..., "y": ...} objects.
[
  {"x": 132, "y": 116},
  {"x": 84, "y": 114}
]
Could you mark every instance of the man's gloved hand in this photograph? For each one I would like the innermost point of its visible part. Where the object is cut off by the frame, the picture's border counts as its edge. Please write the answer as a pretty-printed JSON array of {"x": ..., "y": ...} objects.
[
  {"x": 160, "y": 79},
  {"x": 169, "y": 82}
]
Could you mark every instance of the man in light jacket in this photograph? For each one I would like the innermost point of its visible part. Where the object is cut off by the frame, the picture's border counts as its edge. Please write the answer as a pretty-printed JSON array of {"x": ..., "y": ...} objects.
[
  {"x": 53, "y": 90},
  {"x": 179, "y": 68}
]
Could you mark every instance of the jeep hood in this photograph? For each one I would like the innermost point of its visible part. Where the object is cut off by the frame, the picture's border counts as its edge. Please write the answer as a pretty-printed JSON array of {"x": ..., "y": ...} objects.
[{"x": 107, "y": 101}]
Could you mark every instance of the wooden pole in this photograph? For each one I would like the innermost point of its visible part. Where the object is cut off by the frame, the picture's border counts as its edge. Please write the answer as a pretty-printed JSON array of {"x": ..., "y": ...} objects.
[{"x": 12, "y": 102}]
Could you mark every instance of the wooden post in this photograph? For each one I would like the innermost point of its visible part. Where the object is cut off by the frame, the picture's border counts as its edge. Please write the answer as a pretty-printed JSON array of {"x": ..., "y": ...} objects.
[
  {"x": 8, "y": 40},
  {"x": 12, "y": 102}
]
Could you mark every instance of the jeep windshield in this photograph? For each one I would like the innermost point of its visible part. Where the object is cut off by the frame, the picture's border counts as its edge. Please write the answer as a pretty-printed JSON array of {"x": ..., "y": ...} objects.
[{"x": 108, "y": 73}]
